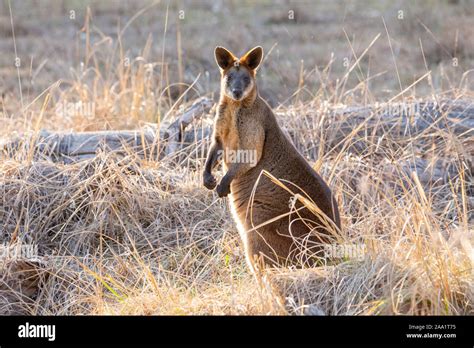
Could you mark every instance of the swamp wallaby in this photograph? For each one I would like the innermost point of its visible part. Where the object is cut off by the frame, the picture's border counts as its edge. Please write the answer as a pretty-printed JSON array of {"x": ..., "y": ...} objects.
[{"x": 275, "y": 226}]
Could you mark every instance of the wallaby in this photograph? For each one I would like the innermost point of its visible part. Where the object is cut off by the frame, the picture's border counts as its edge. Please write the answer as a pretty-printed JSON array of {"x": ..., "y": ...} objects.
[{"x": 275, "y": 227}]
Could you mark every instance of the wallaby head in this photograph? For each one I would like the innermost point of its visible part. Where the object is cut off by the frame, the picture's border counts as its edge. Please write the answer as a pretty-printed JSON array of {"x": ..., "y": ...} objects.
[{"x": 238, "y": 74}]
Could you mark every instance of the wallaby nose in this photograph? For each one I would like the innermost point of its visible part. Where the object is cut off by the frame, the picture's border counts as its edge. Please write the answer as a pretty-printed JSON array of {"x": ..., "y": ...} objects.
[{"x": 237, "y": 93}]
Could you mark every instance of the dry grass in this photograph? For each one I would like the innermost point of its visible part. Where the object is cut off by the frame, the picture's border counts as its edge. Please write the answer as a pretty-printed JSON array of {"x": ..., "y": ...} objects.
[{"x": 124, "y": 235}]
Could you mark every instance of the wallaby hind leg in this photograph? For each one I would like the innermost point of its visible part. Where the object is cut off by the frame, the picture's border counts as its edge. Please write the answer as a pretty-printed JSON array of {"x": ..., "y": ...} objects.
[{"x": 267, "y": 244}]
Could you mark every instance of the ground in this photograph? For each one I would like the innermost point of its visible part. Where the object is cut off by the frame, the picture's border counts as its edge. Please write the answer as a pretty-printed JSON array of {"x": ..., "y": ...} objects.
[{"x": 127, "y": 235}]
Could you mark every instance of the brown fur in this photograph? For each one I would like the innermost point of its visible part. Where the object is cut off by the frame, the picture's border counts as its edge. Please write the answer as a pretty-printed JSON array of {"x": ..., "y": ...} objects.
[{"x": 250, "y": 124}]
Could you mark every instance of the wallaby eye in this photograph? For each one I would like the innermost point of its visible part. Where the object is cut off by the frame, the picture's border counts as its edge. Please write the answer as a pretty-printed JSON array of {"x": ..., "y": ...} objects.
[
  {"x": 229, "y": 77},
  {"x": 246, "y": 80}
]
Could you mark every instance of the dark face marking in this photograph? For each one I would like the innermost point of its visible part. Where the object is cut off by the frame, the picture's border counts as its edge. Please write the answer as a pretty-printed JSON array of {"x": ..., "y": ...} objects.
[{"x": 238, "y": 83}]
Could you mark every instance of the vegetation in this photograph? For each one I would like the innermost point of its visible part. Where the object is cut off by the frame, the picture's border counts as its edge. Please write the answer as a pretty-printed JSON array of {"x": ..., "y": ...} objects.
[{"x": 123, "y": 234}]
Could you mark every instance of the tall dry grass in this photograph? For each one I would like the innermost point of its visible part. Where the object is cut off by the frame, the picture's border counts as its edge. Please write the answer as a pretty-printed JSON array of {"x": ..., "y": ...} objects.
[{"x": 126, "y": 235}]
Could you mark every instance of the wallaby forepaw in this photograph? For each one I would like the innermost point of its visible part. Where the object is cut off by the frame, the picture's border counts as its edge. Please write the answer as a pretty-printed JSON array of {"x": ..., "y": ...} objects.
[
  {"x": 209, "y": 181},
  {"x": 223, "y": 190}
]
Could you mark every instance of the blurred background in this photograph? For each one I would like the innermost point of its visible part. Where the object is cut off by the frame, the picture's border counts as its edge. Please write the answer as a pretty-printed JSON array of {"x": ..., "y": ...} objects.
[
  {"x": 99, "y": 47},
  {"x": 134, "y": 235}
]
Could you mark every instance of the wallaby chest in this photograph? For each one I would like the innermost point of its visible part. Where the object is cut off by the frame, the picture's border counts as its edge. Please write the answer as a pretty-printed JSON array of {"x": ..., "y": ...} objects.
[{"x": 227, "y": 127}]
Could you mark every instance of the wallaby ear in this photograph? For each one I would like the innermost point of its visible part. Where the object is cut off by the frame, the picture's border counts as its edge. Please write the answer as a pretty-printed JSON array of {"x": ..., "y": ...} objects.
[
  {"x": 224, "y": 58},
  {"x": 253, "y": 58}
]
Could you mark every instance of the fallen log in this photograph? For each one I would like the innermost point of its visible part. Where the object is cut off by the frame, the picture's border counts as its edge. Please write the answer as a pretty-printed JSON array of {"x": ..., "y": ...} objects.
[
  {"x": 364, "y": 124},
  {"x": 358, "y": 129},
  {"x": 151, "y": 140}
]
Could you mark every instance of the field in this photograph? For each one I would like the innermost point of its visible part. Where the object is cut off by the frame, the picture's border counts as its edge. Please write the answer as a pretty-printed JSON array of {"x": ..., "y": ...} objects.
[{"x": 376, "y": 95}]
